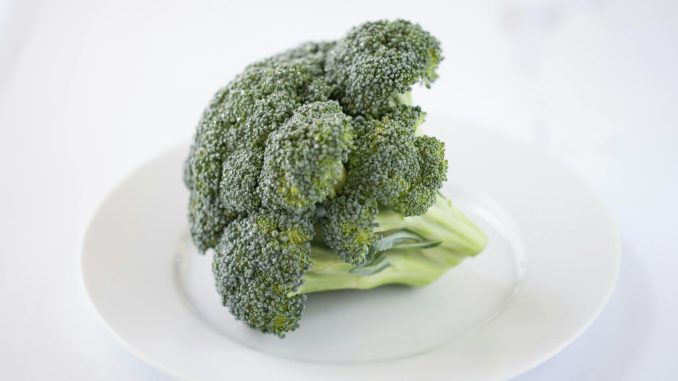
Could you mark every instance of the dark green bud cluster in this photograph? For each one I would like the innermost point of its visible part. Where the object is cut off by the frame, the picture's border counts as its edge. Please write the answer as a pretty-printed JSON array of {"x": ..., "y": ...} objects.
[
  {"x": 304, "y": 159},
  {"x": 259, "y": 260},
  {"x": 348, "y": 227},
  {"x": 379, "y": 60}
]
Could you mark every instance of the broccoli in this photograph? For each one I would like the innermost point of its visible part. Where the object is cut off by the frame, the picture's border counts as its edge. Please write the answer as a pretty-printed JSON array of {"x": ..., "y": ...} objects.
[{"x": 310, "y": 172}]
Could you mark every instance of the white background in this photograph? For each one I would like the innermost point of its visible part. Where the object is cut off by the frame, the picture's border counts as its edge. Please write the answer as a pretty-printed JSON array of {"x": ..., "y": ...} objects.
[{"x": 90, "y": 90}]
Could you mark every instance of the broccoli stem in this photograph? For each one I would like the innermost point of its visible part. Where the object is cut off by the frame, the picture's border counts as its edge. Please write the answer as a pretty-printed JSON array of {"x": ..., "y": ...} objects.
[{"x": 412, "y": 251}]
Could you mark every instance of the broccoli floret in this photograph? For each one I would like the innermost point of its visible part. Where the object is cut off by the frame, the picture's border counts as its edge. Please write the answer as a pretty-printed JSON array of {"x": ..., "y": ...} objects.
[
  {"x": 259, "y": 260},
  {"x": 347, "y": 226},
  {"x": 303, "y": 160},
  {"x": 377, "y": 61},
  {"x": 432, "y": 174},
  {"x": 393, "y": 166},
  {"x": 308, "y": 173}
]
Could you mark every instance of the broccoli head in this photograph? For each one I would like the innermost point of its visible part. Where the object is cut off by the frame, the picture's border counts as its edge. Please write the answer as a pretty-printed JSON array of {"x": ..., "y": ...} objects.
[{"x": 309, "y": 172}]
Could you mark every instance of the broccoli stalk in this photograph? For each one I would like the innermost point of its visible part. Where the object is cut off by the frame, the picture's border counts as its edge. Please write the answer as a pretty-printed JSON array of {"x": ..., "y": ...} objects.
[{"x": 412, "y": 251}]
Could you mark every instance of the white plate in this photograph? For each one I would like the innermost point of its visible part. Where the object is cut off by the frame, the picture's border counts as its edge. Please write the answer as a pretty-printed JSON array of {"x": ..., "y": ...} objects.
[{"x": 549, "y": 268}]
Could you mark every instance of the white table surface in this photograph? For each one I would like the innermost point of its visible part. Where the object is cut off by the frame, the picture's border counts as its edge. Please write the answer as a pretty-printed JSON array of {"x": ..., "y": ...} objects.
[{"x": 89, "y": 90}]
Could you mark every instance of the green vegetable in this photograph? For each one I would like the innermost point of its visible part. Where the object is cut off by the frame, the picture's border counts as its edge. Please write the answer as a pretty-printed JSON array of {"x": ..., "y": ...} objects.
[{"x": 309, "y": 172}]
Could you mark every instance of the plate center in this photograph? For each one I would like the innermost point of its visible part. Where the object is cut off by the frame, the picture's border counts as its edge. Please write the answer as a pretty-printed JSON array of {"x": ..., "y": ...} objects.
[{"x": 386, "y": 323}]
